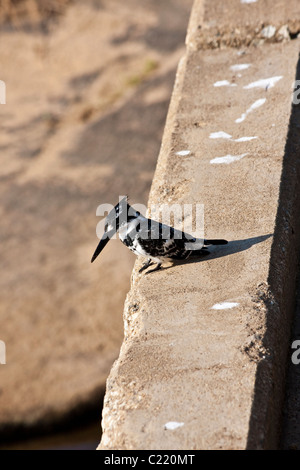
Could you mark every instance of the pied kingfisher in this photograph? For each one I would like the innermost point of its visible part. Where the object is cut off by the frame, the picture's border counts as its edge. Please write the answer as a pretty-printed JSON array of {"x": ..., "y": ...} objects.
[{"x": 149, "y": 238}]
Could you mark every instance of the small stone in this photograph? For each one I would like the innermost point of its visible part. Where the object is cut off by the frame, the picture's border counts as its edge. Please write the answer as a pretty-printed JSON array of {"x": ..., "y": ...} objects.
[
  {"x": 268, "y": 32},
  {"x": 283, "y": 32}
]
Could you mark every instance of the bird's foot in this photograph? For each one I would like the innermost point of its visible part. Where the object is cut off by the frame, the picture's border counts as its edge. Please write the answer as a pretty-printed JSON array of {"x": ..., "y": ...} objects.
[
  {"x": 157, "y": 267},
  {"x": 146, "y": 265}
]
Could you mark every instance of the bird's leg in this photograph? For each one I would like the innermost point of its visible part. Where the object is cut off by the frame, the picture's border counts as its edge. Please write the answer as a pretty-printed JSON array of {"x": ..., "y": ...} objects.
[
  {"x": 146, "y": 265},
  {"x": 157, "y": 267}
]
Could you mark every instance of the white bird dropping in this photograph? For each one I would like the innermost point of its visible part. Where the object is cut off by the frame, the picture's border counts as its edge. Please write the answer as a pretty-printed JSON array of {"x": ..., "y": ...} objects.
[
  {"x": 171, "y": 425},
  {"x": 224, "y": 305}
]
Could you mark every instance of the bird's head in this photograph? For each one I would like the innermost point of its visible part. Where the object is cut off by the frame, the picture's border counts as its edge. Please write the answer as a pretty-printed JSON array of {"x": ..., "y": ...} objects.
[{"x": 117, "y": 217}]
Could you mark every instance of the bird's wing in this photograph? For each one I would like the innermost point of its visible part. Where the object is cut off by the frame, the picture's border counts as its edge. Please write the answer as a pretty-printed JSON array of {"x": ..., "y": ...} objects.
[
  {"x": 163, "y": 240},
  {"x": 158, "y": 231}
]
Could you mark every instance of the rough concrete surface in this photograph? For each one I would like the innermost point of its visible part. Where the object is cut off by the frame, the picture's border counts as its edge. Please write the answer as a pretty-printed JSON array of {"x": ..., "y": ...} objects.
[
  {"x": 218, "y": 373},
  {"x": 86, "y": 104},
  {"x": 231, "y": 24}
]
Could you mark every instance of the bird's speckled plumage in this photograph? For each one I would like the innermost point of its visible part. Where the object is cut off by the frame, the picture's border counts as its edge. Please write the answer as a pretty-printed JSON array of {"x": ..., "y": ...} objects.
[{"x": 152, "y": 239}]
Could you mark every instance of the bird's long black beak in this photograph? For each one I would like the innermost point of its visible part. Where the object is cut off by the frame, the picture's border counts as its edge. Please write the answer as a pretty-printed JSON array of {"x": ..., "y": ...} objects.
[{"x": 103, "y": 242}]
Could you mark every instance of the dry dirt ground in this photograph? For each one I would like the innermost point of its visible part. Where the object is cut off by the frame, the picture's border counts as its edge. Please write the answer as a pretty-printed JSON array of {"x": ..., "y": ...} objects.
[{"x": 87, "y": 97}]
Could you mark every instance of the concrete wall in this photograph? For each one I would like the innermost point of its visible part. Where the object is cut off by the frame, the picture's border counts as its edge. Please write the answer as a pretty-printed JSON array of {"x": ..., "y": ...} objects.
[{"x": 206, "y": 343}]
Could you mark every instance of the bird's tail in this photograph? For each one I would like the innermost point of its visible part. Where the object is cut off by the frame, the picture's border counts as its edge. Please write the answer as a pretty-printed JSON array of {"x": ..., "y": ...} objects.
[{"x": 215, "y": 242}]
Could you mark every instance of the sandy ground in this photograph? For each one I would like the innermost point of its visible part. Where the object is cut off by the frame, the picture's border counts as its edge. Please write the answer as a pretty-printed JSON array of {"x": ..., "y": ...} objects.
[{"x": 87, "y": 99}]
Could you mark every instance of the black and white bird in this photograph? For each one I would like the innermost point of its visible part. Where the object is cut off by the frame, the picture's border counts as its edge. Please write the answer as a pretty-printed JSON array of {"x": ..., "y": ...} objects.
[{"x": 149, "y": 238}]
